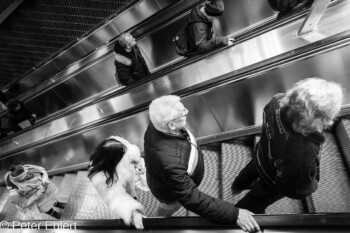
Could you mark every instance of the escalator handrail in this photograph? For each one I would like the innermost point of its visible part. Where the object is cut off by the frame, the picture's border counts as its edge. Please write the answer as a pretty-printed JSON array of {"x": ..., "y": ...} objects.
[{"x": 265, "y": 221}]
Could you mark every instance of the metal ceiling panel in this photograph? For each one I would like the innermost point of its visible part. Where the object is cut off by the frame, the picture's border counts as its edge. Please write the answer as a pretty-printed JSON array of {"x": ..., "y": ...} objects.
[
  {"x": 86, "y": 42},
  {"x": 38, "y": 29}
]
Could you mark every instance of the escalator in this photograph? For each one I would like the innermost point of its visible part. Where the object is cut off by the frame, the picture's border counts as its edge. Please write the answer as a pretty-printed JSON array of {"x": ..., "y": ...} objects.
[
  {"x": 223, "y": 160},
  {"x": 225, "y": 91},
  {"x": 224, "y": 76}
]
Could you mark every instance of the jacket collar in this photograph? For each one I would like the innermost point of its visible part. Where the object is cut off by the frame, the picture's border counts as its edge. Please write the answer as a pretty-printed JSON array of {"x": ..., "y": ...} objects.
[{"x": 183, "y": 133}]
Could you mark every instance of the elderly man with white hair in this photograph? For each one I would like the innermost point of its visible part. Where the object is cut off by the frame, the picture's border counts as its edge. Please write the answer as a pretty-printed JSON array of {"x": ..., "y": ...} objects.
[
  {"x": 129, "y": 62},
  {"x": 175, "y": 167},
  {"x": 287, "y": 158}
]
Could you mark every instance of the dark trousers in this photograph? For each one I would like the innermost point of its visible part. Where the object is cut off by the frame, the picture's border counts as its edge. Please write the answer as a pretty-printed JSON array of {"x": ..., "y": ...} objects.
[{"x": 262, "y": 194}]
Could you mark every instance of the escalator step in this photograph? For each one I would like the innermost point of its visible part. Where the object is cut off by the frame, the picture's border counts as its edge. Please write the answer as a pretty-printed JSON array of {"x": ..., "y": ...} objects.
[
  {"x": 2, "y": 190},
  {"x": 66, "y": 187},
  {"x": 84, "y": 202},
  {"x": 150, "y": 204},
  {"x": 234, "y": 158},
  {"x": 286, "y": 206},
  {"x": 343, "y": 135},
  {"x": 57, "y": 180},
  {"x": 333, "y": 190},
  {"x": 211, "y": 183},
  {"x": 7, "y": 209}
]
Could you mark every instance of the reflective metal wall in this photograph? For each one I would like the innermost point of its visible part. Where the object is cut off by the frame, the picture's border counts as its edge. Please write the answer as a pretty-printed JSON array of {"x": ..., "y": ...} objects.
[{"x": 95, "y": 73}]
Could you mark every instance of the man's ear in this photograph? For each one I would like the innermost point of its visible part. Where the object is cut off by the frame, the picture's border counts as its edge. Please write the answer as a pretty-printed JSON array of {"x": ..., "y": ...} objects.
[{"x": 171, "y": 125}]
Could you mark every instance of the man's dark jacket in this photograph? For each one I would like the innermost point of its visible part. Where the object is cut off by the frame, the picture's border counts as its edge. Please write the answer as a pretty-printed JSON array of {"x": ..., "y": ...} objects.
[
  {"x": 200, "y": 33},
  {"x": 136, "y": 71},
  {"x": 166, "y": 159},
  {"x": 286, "y": 158}
]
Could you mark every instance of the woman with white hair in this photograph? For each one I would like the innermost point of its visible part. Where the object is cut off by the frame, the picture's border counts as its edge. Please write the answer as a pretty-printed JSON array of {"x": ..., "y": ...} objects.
[
  {"x": 175, "y": 167},
  {"x": 287, "y": 157}
]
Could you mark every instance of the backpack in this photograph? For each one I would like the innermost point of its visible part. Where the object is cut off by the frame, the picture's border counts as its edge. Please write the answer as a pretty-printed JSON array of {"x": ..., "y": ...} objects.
[
  {"x": 181, "y": 41},
  {"x": 282, "y": 5},
  {"x": 182, "y": 45}
]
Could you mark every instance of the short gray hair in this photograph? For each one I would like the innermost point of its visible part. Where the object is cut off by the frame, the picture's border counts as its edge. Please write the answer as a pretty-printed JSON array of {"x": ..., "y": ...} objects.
[
  {"x": 312, "y": 104},
  {"x": 162, "y": 110},
  {"x": 122, "y": 39}
]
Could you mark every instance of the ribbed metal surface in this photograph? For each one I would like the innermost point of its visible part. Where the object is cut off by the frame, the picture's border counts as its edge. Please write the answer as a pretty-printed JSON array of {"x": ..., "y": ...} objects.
[
  {"x": 342, "y": 131},
  {"x": 212, "y": 183},
  {"x": 2, "y": 190},
  {"x": 3, "y": 200},
  {"x": 234, "y": 158},
  {"x": 333, "y": 190},
  {"x": 310, "y": 205},
  {"x": 66, "y": 187},
  {"x": 148, "y": 201},
  {"x": 57, "y": 180},
  {"x": 8, "y": 210},
  {"x": 39, "y": 28},
  {"x": 84, "y": 202},
  {"x": 286, "y": 206}
]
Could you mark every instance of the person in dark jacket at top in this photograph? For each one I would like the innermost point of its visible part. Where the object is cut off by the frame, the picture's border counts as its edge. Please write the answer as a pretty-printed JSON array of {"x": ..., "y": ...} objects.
[
  {"x": 201, "y": 36},
  {"x": 175, "y": 167},
  {"x": 17, "y": 112},
  {"x": 287, "y": 158},
  {"x": 129, "y": 62}
]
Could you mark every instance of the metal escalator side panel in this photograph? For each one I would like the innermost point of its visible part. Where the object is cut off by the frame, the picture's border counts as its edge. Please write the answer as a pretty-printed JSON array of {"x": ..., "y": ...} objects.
[{"x": 333, "y": 190}]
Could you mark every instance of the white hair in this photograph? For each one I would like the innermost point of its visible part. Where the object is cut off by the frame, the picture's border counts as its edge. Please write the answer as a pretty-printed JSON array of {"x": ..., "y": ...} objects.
[
  {"x": 312, "y": 104},
  {"x": 122, "y": 39},
  {"x": 162, "y": 110}
]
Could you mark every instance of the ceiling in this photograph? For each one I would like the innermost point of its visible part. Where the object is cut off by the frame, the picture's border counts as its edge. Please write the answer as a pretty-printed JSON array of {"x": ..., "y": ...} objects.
[{"x": 37, "y": 29}]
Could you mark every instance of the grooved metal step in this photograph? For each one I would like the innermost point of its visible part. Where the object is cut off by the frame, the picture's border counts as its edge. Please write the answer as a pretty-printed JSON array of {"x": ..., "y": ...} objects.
[
  {"x": 212, "y": 183},
  {"x": 333, "y": 190},
  {"x": 84, "y": 202},
  {"x": 8, "y": 211},
  {"x": 342, "y": 131},
  {"x": 2, "y": 190},
  {"x": 234, "y": 158},
  {"x": 57, "y": 180}
]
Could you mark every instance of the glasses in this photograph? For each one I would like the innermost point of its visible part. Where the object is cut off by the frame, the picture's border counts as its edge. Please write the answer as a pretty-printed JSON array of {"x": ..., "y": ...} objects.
[{"x": 184, "y": 113}]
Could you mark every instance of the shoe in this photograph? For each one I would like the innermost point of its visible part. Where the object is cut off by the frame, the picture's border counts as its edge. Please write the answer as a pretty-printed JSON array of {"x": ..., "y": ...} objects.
[
  {"x": 235, "y": 190},
  {"x": 60, "y": 205},
  {"x": 56, "y": 215}
]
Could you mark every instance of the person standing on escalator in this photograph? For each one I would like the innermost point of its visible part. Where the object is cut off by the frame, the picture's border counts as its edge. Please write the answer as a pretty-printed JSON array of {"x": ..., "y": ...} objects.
[
  {"x": 201, "y": 36},
  {"x": 175, "y": 167},
  {"x": 286, "y": 161},
  {"x": 32, "y": 192},
  {"x": 129, "y": 62}
]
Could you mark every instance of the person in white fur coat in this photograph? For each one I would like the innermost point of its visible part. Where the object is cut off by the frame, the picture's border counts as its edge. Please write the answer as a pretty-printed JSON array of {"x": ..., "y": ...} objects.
[{"x": 115, "y": 165}]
